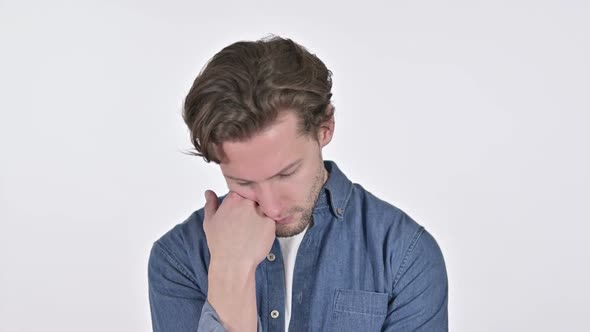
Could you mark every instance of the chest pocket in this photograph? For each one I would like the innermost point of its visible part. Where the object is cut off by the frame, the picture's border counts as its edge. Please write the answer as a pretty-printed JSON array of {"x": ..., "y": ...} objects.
[{"x": 356, "y": 310}]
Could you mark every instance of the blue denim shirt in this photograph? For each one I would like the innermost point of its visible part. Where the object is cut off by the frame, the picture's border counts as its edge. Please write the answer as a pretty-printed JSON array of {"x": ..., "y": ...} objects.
[{"x": 363, "y": 265}]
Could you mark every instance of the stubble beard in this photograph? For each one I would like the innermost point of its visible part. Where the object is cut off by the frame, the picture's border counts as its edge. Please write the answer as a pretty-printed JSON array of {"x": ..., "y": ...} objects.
[{"x": 307, "y": 212}]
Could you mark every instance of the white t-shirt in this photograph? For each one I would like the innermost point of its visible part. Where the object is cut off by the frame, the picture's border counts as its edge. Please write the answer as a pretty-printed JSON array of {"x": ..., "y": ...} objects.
[{"x": 289, "y": 247}]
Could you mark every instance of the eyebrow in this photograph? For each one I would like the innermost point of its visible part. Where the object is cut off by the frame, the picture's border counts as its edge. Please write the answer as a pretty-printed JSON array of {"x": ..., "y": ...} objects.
[{"x": 291, "y": 165}]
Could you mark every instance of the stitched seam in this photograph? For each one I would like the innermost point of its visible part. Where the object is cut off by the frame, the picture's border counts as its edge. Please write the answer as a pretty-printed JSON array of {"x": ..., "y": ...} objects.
[
  {"x": 163, "y": 292},
  {"x": 336, "y": 299},
  {"x": 407, "y": 256},
  {"x": 344, "y": 202},
  {"x": 347, "y": 199},
  {"x": 348, "y": 309},
  {"x": 264, "y": 306},
  {"x": 336, "y": 309},
  {"x": 175, "y": 262}
]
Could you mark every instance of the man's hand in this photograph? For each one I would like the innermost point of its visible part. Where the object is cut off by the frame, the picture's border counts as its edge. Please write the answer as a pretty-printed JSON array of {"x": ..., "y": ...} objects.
[
  {"x": 237, "y": 232},
  {"x": 239, "y": 237}
]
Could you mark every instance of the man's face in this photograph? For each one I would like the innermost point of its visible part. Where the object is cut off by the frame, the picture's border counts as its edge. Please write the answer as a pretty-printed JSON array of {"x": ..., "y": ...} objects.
[{"x": 281, "y": 170}]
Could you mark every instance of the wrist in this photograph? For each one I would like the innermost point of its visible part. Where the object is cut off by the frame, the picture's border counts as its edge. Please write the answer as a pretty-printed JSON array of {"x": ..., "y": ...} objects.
[
  {"x": 229, "y": 272},
  {"x": 232, "y": 293}
]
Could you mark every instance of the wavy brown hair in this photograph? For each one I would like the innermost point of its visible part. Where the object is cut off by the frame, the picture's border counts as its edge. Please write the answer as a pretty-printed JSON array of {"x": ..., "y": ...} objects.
[{"x": 243, "y": 88}]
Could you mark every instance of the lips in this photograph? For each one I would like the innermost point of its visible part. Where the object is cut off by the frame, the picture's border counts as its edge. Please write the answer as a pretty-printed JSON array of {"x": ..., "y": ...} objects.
[{"x": 286, "y": 220}]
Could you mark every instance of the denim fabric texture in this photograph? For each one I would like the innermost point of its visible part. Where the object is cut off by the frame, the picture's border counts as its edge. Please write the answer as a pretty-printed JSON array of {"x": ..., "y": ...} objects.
[{"x": 363, "y": 265}]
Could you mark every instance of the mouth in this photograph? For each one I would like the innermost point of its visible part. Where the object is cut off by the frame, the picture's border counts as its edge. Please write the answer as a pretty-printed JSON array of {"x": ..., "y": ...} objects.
[{"x": 286, "y": 220}]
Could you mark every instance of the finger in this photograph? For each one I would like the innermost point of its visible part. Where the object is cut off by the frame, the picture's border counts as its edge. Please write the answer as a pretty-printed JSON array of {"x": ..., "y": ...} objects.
[{"x": 211, "y": 204}]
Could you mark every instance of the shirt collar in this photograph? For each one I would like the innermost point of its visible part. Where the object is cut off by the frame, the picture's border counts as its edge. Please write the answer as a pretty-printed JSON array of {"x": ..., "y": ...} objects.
[{"x": 336, "y": 191}]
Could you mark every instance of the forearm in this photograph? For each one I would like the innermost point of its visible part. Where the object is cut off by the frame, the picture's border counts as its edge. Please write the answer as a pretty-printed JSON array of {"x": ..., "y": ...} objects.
[{"x": 232, "y": 292}]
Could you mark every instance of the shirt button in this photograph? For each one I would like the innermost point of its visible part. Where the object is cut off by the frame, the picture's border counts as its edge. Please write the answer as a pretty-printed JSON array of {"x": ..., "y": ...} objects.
[
  {"x": 274, "y": 314},
  {"x": 271, "y": 257},
  {"x": 339, "y": 211}
]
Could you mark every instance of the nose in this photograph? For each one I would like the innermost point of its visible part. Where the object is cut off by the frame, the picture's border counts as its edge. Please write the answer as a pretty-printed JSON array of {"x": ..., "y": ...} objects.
[{"x": 269, "y": 201}]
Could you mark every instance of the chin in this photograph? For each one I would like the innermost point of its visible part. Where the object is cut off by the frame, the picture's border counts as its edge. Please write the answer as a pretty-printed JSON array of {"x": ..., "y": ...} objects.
[{"x": 291, "y": 229}]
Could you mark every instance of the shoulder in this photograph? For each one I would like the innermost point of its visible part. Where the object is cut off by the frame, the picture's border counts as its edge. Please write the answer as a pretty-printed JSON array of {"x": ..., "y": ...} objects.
[
  {"x": 381, "y": 216},
  {"x": 181, "y": 254},
  {"x": 186, "y": 235},
  {"x": 405, "y": 241},
  {"x": 183, "y": 249}
]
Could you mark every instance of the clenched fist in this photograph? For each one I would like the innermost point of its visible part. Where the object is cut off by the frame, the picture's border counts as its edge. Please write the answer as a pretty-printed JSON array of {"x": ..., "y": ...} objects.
[{"x": 237, "y": 232}]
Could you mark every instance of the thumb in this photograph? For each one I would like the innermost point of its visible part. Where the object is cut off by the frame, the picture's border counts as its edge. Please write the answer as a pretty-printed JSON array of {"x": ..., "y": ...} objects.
[{"x": 211, "y": 204}]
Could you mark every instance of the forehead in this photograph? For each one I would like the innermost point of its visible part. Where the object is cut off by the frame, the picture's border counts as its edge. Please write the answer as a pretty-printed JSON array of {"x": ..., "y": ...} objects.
[{"x": 267, "y": 152}]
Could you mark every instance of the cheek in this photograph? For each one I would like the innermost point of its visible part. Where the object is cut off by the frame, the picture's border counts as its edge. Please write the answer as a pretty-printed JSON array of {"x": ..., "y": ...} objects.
[
  {"x": 300, "y": 187},
  {"x": 292, "y": 192}
]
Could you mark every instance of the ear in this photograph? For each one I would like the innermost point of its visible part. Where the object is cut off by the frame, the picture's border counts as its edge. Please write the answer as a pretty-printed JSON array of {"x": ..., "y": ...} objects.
[{"x": 326, "y": 130}]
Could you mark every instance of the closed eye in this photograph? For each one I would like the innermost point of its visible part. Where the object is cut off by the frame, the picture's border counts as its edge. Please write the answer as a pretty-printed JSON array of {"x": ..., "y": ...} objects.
[{"x": 282, "y": 176}]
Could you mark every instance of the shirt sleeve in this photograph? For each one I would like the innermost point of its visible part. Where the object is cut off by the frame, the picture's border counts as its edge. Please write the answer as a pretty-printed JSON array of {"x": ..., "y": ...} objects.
[
  {"x": 177, "y": 303},
  {"x": 420, "y": 289},
  {"x": 210, "y": 320}
]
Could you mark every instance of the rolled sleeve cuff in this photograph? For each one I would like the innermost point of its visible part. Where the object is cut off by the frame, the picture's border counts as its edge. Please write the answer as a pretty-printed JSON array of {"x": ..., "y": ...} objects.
[{"x": 210, "y": 321}]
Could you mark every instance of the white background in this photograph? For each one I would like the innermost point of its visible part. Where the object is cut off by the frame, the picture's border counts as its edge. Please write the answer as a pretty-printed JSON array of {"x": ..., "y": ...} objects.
[{"x": 471, "y": 116}]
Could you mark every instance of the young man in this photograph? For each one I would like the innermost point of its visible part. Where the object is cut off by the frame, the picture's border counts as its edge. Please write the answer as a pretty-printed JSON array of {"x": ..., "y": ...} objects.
[{"x": 294, "y": 245}]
